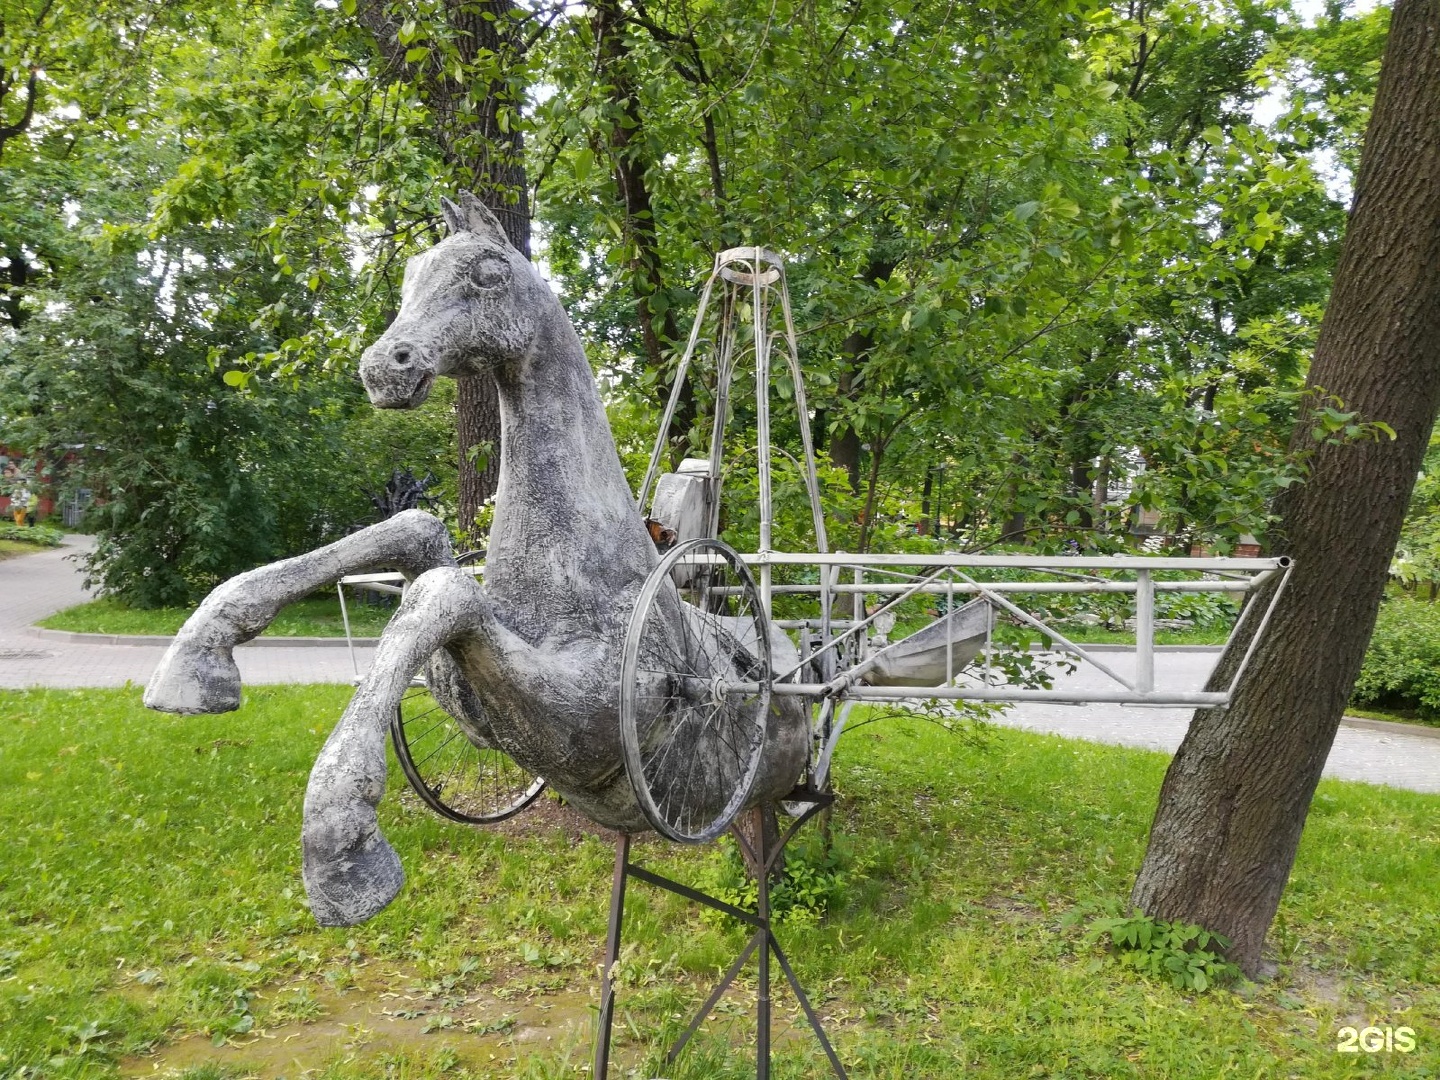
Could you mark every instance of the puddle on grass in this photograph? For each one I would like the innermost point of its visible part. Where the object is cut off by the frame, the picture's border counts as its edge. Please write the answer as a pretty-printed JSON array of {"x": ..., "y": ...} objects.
[{"x": 479, "y": 1030}]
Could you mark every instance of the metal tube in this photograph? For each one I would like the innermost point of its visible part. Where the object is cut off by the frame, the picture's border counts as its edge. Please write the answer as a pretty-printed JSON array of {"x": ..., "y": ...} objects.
[
  {"x": 612, "y": 955},
  {"x": 762, "y": 909},
  {"x": 935, "y": 589},
  {"x": 1158, "y": 698},
  {"x": 761, "y": 334},
  {"x": 1145, "y": 632},
  {"x": 345, "y": 618},
  {"x": 1026, "y": 617},
  {"x": 680, "y": 371},
  {"x": 1259, "y": 633},
  {"x": 1026, "y": 562},
  {"x": 950, "y": 632},
  {"x": 724, "y": 372},
  {"x": 857, "y": 612}
]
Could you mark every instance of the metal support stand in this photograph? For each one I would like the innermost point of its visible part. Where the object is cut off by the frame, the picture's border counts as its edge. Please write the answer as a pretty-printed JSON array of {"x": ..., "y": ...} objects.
[{"x": 762, "y": 942}]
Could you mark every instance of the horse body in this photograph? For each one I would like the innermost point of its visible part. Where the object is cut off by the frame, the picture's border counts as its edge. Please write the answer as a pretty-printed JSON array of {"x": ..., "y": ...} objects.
[{"x": 530, "y": 661}]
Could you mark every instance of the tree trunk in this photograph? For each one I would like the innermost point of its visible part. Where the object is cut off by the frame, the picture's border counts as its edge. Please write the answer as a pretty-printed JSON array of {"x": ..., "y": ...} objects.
[
  {"x": 845, "y": 441},
  {"x": 13, "y": 302},
  {"x": 1083, "y": 484},
  {"x": 1235, "y": 798},
  {"x": 1100, "y": 493},
  {"x": 926, "y": 491},
  {"x": 486, "y": 155},
  {"x": 645, "y": 267}
]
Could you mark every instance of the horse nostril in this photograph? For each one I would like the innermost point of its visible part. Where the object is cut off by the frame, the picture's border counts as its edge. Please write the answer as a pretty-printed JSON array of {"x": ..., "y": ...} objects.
[{"x": 402, "y": 355}]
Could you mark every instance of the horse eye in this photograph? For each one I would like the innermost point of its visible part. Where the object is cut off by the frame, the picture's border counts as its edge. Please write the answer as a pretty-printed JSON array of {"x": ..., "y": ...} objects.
[{"x": 489, "y": 271}]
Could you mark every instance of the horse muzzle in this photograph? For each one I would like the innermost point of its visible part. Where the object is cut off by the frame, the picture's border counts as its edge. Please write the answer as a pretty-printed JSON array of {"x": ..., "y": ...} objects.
[{"x": 397, "y": 375}]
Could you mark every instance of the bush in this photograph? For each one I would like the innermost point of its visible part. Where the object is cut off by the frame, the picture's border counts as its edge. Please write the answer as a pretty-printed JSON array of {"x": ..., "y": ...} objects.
[
  {"x": 1402, "y": 665},
  {"x": 41, "y": 535}
]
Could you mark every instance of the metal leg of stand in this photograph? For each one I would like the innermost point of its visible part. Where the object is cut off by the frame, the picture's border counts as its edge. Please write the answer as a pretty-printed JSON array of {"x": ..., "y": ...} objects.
[
  {"x": 810, "y": 1014},
  {"x": 612, "y": 954},
  {"x": 762, "y": 941},
  {"x": 762, "y": 1002}
]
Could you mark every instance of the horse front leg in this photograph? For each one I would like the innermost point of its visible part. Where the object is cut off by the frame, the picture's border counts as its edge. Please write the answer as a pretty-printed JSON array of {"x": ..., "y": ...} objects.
[
  {"x": 351, "y": 872},
  {"x": 198, "y": 674}
]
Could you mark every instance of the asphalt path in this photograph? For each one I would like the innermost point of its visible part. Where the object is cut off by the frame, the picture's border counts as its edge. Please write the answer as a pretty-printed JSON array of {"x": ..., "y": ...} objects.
[{"x": 34, "y": 586}]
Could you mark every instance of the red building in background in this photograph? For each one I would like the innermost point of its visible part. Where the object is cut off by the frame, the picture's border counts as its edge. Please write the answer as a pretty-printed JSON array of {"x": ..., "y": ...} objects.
[{"x": 37, "y": 482}]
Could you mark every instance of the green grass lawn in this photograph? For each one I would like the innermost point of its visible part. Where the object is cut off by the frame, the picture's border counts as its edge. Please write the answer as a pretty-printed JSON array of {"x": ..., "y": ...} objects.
[
  {"x": 1093, "y": 634},
  {"x": 10, "y": 548},
  {"x": 151, "y": 906},
  {"x": 316, "y": 616}
]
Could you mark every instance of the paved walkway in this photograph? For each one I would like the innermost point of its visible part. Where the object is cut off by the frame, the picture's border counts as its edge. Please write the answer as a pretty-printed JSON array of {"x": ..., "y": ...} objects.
[
  {"x": 1361, "y": 752},
  {"x": 33, "y": 586}
]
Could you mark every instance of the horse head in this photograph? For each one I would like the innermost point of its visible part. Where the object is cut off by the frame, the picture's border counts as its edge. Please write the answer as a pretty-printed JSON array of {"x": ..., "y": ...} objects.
[{"x": 468, "y": 304}]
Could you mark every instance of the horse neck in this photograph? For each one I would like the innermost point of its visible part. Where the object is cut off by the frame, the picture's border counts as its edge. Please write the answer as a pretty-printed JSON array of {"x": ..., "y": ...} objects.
[{"x": 565, "y": 518}]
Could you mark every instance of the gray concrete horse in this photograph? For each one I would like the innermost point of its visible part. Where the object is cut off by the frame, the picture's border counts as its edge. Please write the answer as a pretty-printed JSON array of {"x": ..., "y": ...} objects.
[{"x": 528, "y": 662}]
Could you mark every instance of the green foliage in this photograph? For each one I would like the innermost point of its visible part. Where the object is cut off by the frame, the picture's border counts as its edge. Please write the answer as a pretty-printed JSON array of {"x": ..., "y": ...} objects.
[
  {"x": 818, "y": 875},
  {"x": 1402, "y": 664},
  {"x": 1189, "y": 957},
  {"x": 39, "y": 535},
  {"x": 184, "y": 289},
  {"x": 1417, "y": 556},
  {"x": 1116, "y": 279},
  {"x": 1070, "y": 277}
]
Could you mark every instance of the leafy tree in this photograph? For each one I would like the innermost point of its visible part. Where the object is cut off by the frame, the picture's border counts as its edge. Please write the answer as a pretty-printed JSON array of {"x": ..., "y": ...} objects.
[
  {"x": 1417, "y": 555},
  {"x": 127, "y": 346}
]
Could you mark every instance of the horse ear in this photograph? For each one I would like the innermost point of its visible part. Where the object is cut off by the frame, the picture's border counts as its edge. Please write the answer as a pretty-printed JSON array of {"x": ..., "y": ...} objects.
[
  {"x": 453, "y": 215},
  {"x": 479, "y": 219}
]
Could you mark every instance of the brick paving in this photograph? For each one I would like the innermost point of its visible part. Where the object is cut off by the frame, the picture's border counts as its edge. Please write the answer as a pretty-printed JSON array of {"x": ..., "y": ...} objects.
[{"x": 33, "y": 586}]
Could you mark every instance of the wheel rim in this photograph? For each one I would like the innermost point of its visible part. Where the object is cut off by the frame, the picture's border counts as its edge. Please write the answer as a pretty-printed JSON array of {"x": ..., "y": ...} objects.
[
  {"x": 693, "y": 740},
  {"x": 450, "y": 772},
  {"x": 455, "y": 775}
]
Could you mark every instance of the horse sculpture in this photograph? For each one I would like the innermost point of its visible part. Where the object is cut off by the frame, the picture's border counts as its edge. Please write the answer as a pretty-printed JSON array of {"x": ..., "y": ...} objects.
[{"x": 530, "y": 661}]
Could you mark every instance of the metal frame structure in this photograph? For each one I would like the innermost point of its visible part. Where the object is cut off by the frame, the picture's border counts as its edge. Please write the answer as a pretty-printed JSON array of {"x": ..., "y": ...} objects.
[
  {"x": 747, "y": 300},
  {"x": 748, "y": 285}
]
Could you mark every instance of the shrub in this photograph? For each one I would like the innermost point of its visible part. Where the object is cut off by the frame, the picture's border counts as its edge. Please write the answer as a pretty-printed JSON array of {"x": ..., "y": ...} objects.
[
  {"x": 1402, "y": 665},
  {"x": 815, "y": 878},
  {"x": 40, "y": 535}
]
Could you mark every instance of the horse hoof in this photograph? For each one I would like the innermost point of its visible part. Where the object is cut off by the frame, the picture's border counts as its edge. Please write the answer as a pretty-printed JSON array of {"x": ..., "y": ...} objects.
[
  {"x": 192, "y": 679},
  {"x": 355, "y": 887}
]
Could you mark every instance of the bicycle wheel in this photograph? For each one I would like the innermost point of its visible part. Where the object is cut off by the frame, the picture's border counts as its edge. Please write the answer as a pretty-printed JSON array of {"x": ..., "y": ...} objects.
[
  {"x": 451, "y": 764},
  {"x": 451, "y": 770},
  {"x": 695, "y": 691}
]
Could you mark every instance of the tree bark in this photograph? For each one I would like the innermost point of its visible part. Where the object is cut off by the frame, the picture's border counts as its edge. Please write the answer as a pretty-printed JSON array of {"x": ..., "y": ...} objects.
[
  {"x": 1236, "y": 795},
  {"x": 855, "y": 350},
  {"x": 486, "y": 155},
  {"x": 845, "y": 440}
]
